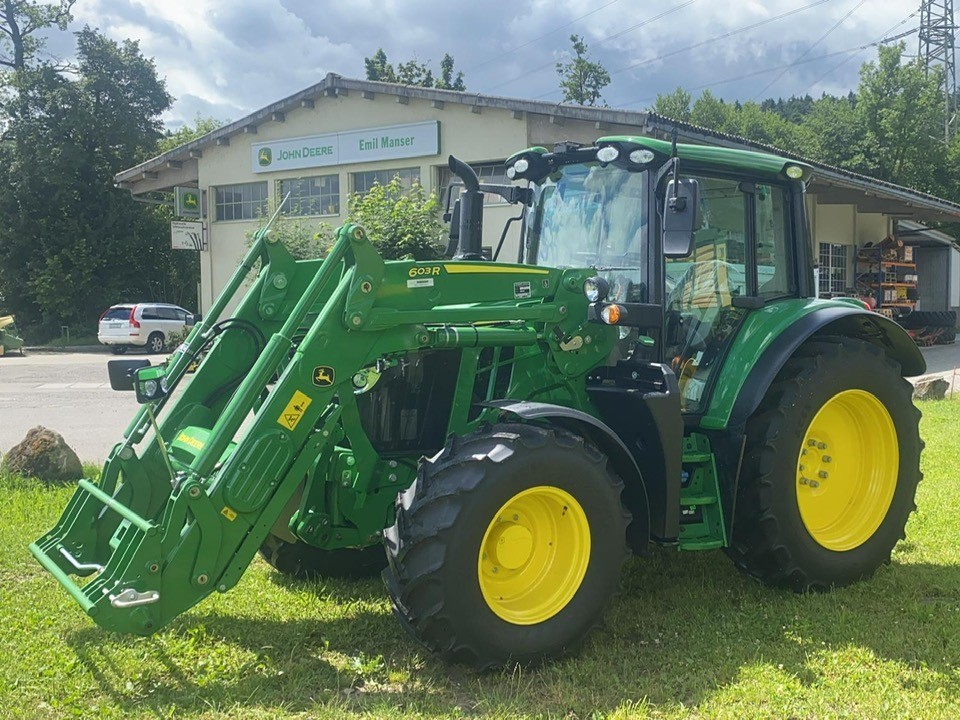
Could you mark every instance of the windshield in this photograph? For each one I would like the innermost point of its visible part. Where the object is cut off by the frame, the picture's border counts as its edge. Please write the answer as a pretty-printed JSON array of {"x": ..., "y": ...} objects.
[{"x": 591, "y": 216}]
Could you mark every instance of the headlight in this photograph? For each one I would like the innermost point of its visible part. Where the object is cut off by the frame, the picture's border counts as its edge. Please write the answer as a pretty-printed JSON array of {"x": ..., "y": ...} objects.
[
  {"x": 607, "y": 154},
  {"x": 521, "y": 165},
  {"x": 794, "y": 172},
  {"x": 596, "y": 289},
  {"x": 641, "y": 156}
]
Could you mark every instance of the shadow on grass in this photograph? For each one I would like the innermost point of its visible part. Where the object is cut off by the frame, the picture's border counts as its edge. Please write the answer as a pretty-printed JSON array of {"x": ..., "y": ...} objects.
[{"x": 683, "y": 628}]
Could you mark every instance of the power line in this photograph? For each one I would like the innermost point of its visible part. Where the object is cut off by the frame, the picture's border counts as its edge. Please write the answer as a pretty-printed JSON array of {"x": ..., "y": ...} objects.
[
  {"x": 764, "y": 71},
  {"x": 541, "y": 37},
  {"x": 884, "y": 38},
  {"x": 811, "y": 47},
  {"x": 708, "y": 41},
  {"x": 723, "y": 36},
  {"x": 598, "y": 42}
]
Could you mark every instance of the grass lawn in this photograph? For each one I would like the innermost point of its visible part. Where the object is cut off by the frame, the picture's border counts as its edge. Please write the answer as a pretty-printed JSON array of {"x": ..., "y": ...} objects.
[{"x": 688, "y": 636}]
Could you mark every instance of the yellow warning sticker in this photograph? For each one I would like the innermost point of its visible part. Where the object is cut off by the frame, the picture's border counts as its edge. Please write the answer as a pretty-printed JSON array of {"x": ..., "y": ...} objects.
[
  {"x": 229, "y": 513},
  {"x": 290, "y": 417}
]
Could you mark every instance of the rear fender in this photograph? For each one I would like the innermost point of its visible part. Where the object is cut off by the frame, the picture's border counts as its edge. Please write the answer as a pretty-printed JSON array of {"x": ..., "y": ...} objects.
[
  {"x": 622, "y": 461},
  {"x": 836, "y": 318}
]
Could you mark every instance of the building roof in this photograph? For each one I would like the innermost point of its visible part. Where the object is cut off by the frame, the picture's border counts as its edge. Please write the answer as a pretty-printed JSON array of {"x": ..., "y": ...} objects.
[
  {"x": 831, "y": 184},
  {"x": 917, "y": 235}
]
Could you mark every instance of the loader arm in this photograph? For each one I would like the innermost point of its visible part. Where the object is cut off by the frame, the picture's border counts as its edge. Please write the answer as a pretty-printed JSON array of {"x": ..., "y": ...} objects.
[{"x": 271, "y": 415}]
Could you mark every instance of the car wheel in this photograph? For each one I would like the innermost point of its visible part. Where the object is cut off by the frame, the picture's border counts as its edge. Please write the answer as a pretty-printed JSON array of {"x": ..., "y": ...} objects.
[{"x": 155, "y": 343}]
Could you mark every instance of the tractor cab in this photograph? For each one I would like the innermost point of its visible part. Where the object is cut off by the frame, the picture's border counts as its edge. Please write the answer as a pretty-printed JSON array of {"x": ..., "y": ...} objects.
[{"x": 685, "y": 241}]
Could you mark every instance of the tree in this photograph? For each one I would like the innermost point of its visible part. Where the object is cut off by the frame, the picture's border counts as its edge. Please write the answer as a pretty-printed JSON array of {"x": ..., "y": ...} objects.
[
  {"x": 400, "y": 222},
  {"x": 447, "y": 79},
  {"x": 675, "y": 106},
  {"x": 185, "y": 133},
  {"x": 71, "y": 243},
  {"x": 20, "y": 21},
  {"x": 901, "y": 108},
  {"x": 711, "y": 112},
  {"x": 378, "y": 68},
  {"x": 581, "y": 79},
  {"x": 413, "y": 72}
]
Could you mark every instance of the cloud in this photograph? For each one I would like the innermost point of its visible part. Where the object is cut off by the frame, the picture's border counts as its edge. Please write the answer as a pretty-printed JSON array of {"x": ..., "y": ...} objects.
[{"x": 228, "y": 59}]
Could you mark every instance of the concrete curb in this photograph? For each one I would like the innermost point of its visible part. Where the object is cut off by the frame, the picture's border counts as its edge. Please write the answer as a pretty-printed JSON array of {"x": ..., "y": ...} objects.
[{"x": 74, "y": 349}]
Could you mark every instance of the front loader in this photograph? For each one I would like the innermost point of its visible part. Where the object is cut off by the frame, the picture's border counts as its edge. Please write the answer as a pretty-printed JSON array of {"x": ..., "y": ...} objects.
[{"x": 654, "y": 370}]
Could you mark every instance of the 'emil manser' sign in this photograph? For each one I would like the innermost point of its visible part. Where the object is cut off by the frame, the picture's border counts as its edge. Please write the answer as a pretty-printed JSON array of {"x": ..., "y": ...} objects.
[{"x": 355, "y": 146}]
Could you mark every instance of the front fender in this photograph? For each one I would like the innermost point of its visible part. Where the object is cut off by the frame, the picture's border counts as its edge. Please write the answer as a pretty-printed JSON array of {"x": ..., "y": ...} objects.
[{"x": 770, "y": 336}]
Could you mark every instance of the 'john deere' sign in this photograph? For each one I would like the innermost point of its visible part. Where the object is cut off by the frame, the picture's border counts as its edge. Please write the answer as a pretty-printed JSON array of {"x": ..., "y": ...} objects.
[{"x": 385, "y": 143}]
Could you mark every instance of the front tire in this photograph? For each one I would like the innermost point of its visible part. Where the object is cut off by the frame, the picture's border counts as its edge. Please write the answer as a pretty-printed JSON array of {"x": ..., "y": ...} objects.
[
  {"x": 508, "y": 546},
  {"x": 830, "y": 468}
]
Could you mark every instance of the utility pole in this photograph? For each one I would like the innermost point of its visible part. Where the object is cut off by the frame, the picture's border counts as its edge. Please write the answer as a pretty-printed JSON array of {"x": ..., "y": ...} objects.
[{"x": 937, "y": 41}]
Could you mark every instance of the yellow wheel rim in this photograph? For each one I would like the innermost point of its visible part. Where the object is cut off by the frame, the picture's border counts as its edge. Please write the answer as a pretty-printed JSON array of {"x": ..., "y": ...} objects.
[
  {"x": 534, "y": 555},
  {"x": 847, "y": 470}
]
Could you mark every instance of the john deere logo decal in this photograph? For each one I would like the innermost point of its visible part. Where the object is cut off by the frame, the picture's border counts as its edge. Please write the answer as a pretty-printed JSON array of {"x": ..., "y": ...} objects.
[
  {"x": 265, "y": 157},
  {"x": 191, "y": 201},
  {"x": 323, "y": 376}
]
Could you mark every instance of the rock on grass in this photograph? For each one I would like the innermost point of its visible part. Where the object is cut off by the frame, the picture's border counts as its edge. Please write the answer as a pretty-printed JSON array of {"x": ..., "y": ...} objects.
[{"x": 45, "y": 455}]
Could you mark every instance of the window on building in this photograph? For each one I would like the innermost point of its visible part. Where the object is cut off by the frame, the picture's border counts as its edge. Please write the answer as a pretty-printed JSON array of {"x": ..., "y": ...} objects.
[
  {"x": 363, "y": 181},
  {"x": 494, "y": 173},
  {"x": 312, "y": 195},
  {"x": 246, "y": 201},
  {"x": 833, "y": 269}
]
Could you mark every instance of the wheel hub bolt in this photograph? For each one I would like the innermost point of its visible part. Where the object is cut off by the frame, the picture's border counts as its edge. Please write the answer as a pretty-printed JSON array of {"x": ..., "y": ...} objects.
[
  {"x": 496, "y": 569},
  {"x": 821, "y": 446},
  {"x": 827, "y": 458},
  {"x": 823, "y": 474},
  {"x": 814, "y": 484},
  {"x": 812, "y": 443}
]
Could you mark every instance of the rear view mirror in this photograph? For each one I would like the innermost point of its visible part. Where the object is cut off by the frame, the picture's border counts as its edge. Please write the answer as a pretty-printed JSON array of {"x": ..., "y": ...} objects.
[
  {"x": 191, "y": 320},
  {"x": 680, "y": 217},
  {"x": 121, "y": 372}
]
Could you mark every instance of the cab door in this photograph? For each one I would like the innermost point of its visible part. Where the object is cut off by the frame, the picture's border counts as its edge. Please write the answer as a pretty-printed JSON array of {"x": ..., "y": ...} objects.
[{"x": 741, "y": 259}]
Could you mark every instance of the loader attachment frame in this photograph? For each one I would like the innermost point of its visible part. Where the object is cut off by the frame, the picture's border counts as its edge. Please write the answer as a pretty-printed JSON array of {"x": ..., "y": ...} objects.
[{"x": 204, "y": 473}]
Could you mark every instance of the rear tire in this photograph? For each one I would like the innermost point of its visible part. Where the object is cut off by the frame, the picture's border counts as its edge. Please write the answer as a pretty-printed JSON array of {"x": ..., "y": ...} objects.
[
  {"x": 156, "y": 343},
  {"x": 830, "y": 468},
  {"x": 306, "y": 562},
  {"x": 508, "y": 546},
  {"x": 929, "y": 318}
]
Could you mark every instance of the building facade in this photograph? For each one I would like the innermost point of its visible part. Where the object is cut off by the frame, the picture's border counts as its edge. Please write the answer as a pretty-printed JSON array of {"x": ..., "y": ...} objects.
[{"x": 340, "y": 136}]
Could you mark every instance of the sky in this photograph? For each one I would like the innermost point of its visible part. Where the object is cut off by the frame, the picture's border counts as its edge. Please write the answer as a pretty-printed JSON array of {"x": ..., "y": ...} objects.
[{"x": 226, "y": 59}]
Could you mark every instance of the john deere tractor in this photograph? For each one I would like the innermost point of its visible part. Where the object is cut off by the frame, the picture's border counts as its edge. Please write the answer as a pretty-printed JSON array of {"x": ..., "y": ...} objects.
[{"x": 654, "y": 370}]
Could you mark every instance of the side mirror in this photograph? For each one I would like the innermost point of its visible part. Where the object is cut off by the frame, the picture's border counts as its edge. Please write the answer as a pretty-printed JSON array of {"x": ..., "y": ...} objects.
[
  {"x": 680, "y": 217},
  {"x": 192, "y": 320},
  {"x": 121, "y": 372}
]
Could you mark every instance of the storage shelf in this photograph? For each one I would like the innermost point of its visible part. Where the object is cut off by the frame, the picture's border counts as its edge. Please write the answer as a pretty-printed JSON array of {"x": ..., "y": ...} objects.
[
  {"x": 887, "y": 262},
  {"x": 894, "y": 284}
]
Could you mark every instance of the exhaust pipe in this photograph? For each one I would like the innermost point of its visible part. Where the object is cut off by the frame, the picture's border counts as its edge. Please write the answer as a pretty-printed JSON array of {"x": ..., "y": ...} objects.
[{"x": 471, "y": 211}]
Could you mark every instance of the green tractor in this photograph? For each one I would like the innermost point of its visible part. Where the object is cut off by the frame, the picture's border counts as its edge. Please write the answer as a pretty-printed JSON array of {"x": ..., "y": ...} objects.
[
  {"x": 9, "y": 339},
  {"x": 653, "y": 370}
]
